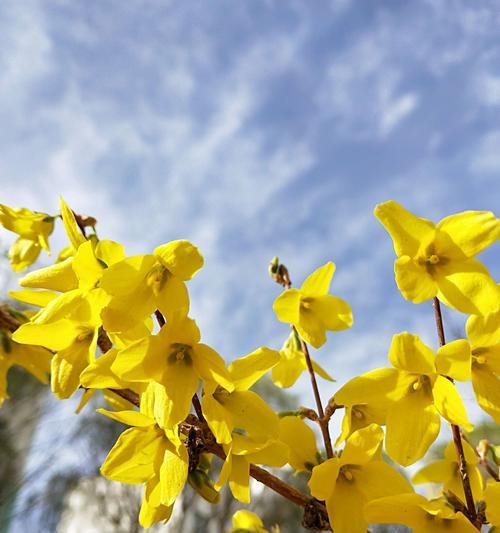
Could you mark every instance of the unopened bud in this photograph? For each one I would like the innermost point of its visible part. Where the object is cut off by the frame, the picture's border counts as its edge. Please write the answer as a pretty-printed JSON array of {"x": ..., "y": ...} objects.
[{"x": 202, "y": 484}]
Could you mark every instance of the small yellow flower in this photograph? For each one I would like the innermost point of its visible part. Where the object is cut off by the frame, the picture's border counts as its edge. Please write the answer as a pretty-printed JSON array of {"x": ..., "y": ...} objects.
[
  {"x": 247, "y": 522},
  {"x": 447, "y": 471},
  {"x": 33, "y": 229},
  {"x": 312, "y": 310},
  {"x": 421, "y": 515},
  {"x": 292, "y": 363},
  {"x": 359, "y": 475},
  {"x": 438, "y": 260}
]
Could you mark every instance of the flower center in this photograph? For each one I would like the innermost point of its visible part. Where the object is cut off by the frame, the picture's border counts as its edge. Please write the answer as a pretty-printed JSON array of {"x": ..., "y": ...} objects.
[
  {"x": 421, "y": 383},
  {"x": 180, "y": 353},
  {"x": 433, "y": 259},
  {"x": 156, "y": 278},
  {"x": 346, "y": 472},
  {"x": 357, "y": 413}
]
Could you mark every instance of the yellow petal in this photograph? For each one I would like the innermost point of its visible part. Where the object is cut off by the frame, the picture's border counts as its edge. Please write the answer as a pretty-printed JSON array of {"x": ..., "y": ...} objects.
[
  {"x": 181, "y": 258},
  {"x": 406, "y": 230},
  {"x": 131, "y": 460},
  {"x": 413, "y": 280},
  {"x": 287, "y": 371},
  {"x": 468, "y": 287},
  {"x": 210, "y": 366},
  {"x": 149, "y": 515},
  {"x": 173, "y": 474},
  {"x": 38, "y": 298},
  {"x": 66, "y": 367},
  {"x": 219, "y": 419},
  {"x": 239, "y": 479},
  {"x": 300, "y": 439},
  {"x": 55, "y": 335},
  {"x": 448, "y": 402},
  {"x": 246, "y": 371},
  {"x": 321, "y": 371},
  {"x": 139, "y": 362},
  {"x": 56, "y": 277},
  {"x": 275, "y": 453},
  {"x": 472, "y": 231},
  {"x": 98, "y": 375},
  {"x": 401, "y": 509},
  {"x": 311, "y": 328},
  {"x": 323, "y": 478},
  {"x": 318, "y": 283},
  {"x": 492, "y": 499},
  {"x": 377, "y": 387},
  {"x": 334, "y": 313},
  {"x": 362, "y": 445},
  {"x": 412, "y": 426},
  {"x": 129, "y": 418},
  {"x": 487, "y": 389},
  {"x": 253, "y": 414},
  {"x": 72, "y": 229},
  {"x": 87, "y": 268},
  {"x": 345, "y": 507},
  {"x": 377, "y": 479},
  {"x": 35, "y": 360},
  {"x": 484, "y": 330},
  {"x": 436, "y": 472},
  {"x": 109, "y": 252},
  {"x": 287, "y": 306},
  {"x": 408, "y": 352},
  {"x": 173, "y": 298},
  {"x": 247, "y": 521},
  {"x": 454, "y": 360},
  {"x": 180, "y": 382},
  {"x": 450, "y": 453}
]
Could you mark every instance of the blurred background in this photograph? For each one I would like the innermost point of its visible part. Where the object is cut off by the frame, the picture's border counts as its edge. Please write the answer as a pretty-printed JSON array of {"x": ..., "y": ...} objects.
[{"x": 254, "y": 129}]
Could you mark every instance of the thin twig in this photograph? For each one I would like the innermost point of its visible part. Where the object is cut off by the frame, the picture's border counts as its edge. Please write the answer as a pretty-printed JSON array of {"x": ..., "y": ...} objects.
[{"x": 455, "y": 430}]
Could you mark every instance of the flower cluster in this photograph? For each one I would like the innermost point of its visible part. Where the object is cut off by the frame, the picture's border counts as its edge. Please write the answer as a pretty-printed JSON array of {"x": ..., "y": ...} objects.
[{"x": 105, "y": 321}]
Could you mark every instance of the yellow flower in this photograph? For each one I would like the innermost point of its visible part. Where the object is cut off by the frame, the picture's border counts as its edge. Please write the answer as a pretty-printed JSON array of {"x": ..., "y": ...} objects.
[
  {"x": 447, "y": 471},
  {"x": 492, "y": 500},
  {"x": 141, "y": 284},
  {"x": 241, "y": 408},
  {"x": 32, "y": 358},
  {"x": 312, "y": 310},
  {"x": 414, "y": 395},
  {"x": 72, "y": 333},
  {"x": 292, "y": 363},
  {"x": 33, "y": 229},
  {"x": 175, "y": 359},
  {"x": 148, "y": 454},
  {"x": 247, "y": 522},
  {"x": 242, "y": 452},
  {"x": 348, "y": 482},
  {"x": 421, "y": 515},
  {"x": 358, "y": 416},
  {"x": 438, "y": 260},
  {"x": 301, "y": 441}
]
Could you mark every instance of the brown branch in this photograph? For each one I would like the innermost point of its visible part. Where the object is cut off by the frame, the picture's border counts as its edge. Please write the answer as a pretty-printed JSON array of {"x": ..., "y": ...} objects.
[{"x": 455, "y": 430}]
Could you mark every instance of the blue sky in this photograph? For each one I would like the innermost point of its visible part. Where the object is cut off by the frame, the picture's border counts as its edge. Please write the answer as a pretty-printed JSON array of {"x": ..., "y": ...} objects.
[{"x": 257, "y": 128}]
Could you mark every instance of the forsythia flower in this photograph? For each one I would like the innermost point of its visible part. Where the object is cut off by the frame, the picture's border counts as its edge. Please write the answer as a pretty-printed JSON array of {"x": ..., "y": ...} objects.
[
  {"x": 247, "y": 522},
  {"x": 447, "y": 471},
  {"x": 301, "y": 441},
  {"x": 421, "y": 515},
  {"x": 438, "y": 260},
  {"x": 292, "y": 363},
  {"x": 148, "y": 454},
  {"x": 241, "y": 408},
  {"x": 34, "y": 359},
  {"x": 33, "y": 229},
  {"x": 413, "y": 393},
  {"x": 141, "y": 284},
  {"x": 312, "y": 310},
  {"x": 175, "y": 359},
  {"x": 348, "y": 482},
  {"x": 492, "y": 500}
]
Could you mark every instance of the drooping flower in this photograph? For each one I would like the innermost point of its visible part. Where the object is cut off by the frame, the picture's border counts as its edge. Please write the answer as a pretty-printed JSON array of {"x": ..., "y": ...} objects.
[
  {"x": 33, "y": 229},
  {"x": 312, "y": 310},
  {"x": 438, "y": 260},
  {"x": 242, "y": 408},
  {"x": 150, "y": 455},
  {"x": 176, "y": 360},
  {"x": 358, "y": 476},
  {"x": 292, "y": 363},
  {"x": 418, "y": 513},
  {"x": 413, "y": 393},
  {"x": 446, "y": 471}
]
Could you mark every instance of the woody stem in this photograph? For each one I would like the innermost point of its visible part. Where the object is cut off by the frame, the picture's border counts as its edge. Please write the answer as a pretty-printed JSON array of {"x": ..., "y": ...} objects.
[{"x": 455, "y": 430}]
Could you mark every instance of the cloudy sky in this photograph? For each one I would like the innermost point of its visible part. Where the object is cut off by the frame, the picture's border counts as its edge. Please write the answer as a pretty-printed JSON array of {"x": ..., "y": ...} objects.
[{"x": 257, "y": 128}]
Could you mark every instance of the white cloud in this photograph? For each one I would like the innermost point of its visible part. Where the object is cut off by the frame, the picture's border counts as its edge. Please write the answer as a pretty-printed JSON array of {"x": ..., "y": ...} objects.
[
  {"x": 486, "y": 159},
  {"x": 487, "y": 88}
]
